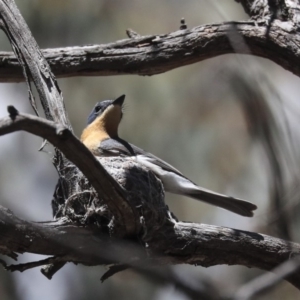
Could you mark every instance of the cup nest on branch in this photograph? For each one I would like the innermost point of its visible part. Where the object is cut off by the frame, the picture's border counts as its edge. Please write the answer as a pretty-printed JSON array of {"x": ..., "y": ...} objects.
[{"x": 76, "y": 199}]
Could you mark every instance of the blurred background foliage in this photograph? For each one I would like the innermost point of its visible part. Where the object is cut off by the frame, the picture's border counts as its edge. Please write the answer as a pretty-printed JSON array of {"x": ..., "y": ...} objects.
[{"x": 191, "y": 117}]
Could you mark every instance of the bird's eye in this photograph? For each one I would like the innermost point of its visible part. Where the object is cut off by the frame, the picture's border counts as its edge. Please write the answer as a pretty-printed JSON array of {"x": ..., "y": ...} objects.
[{"x": 97, "y": 108}]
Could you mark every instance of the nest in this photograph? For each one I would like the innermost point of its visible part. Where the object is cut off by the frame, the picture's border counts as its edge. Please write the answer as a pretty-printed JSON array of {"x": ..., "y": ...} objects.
[{"x": 77, "y": 200}]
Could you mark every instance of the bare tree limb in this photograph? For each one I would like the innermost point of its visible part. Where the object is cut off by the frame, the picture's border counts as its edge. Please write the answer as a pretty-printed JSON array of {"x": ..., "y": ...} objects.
[
  {"x": 149, "y": 55},
  {"x": 31, "y": 265},
  {"x": 33, "y": 62},
  {"x": 86, "y": 245},
  {"x": 189, "y": 243},
  {"x": 77, "y": 153}
]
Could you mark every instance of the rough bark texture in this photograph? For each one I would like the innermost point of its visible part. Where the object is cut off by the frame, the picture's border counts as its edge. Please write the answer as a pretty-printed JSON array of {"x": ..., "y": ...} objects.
[
  {"x": 149, "y": 55},
  {"x": 77, "y": 153},
  {"x": 35, "y": 67},
  {"x": 176, "y": 243}
]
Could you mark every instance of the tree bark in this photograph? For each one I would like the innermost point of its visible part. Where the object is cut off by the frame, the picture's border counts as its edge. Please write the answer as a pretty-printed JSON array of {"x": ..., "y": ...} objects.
[
  {"x": 155, "y": 54},
  {"x": 176, "y": 243}
]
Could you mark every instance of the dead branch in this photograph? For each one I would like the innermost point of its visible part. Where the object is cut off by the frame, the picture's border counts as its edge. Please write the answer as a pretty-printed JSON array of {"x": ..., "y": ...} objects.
[
  {"x": 155, "y": 54},
  {"x": 77, "y": 153},
  {"x": 189, "y": 243},
  {"x": 34, "y": 65}
]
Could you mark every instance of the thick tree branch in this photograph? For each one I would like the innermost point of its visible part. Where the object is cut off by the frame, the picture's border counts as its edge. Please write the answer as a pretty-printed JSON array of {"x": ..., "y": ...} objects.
[
  {"x": 76, "y": 152},
  {"x": 189, "y": 243},
  {"x": 149, "y": 55},
  {"x": 213, "y": 245},
  {"x": 34, "y": 65},
  {"x": 69, "y": 242}
]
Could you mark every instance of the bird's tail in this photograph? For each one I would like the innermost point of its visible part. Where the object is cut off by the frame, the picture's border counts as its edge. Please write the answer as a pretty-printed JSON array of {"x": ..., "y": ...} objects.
[
  {"x": 238, "y": 206},
  {"x": 177, "y": 184}
]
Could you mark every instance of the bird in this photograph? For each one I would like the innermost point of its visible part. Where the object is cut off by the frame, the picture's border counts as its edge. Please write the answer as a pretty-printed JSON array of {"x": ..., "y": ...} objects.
[{"x": 101, "y": 137}]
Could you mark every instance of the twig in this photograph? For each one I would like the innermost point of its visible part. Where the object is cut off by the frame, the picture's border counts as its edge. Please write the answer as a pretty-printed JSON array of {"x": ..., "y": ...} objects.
[
  {"x": 31, "y": 265},
  {"x": 269, "y": 280},
  {"x": 49, "y": 270}
]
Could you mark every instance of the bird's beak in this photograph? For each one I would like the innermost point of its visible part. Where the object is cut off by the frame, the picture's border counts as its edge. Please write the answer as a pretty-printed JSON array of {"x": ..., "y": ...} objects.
[{"x": 119, "y": 101}]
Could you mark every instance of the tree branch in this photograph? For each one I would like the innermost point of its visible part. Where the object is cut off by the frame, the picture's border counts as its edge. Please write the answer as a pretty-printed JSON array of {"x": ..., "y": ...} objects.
[
  {"x": 213, "y": 245},
  {"x": 77, "y": 153},
  {"x": 149, "y": 55},
  {"x": 34, "y": 65},
  {"x": 189, "y": 243},
  {"x": 172, "y": 243}
]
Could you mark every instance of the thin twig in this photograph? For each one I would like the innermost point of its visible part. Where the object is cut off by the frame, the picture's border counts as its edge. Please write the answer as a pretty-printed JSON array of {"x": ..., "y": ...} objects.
[
  {"x": 267, "y": 281},
  {"x": 31, "y": 265}
]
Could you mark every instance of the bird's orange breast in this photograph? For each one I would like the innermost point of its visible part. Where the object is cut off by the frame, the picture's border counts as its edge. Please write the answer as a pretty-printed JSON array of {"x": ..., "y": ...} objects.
[{"x": 92, "y": 137}]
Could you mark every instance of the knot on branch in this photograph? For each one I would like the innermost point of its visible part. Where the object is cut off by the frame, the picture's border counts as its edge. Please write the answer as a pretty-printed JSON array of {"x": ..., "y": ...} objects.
[
  {"x": 183, "y": 25},
  {"x": 132, "y": 34},
  {"x": 76, "y": 199},
  {"x": 13, "y": 112},
  {"x": 63, "y": 132}
]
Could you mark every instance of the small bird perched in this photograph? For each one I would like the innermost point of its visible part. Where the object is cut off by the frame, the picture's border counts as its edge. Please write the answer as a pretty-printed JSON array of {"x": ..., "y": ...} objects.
[{"x": 102, "y": 139}]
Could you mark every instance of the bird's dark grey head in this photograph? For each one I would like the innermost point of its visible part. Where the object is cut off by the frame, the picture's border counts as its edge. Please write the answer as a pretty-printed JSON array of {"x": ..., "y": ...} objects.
[{"x": 101, "y": 106}]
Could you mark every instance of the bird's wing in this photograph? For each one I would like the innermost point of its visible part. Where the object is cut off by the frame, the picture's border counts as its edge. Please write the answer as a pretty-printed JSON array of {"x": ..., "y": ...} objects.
[
  {"x": 148, "y": 158},
  {"x": 115, "y": 147},
  {"x": 111, "y": 147}
]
